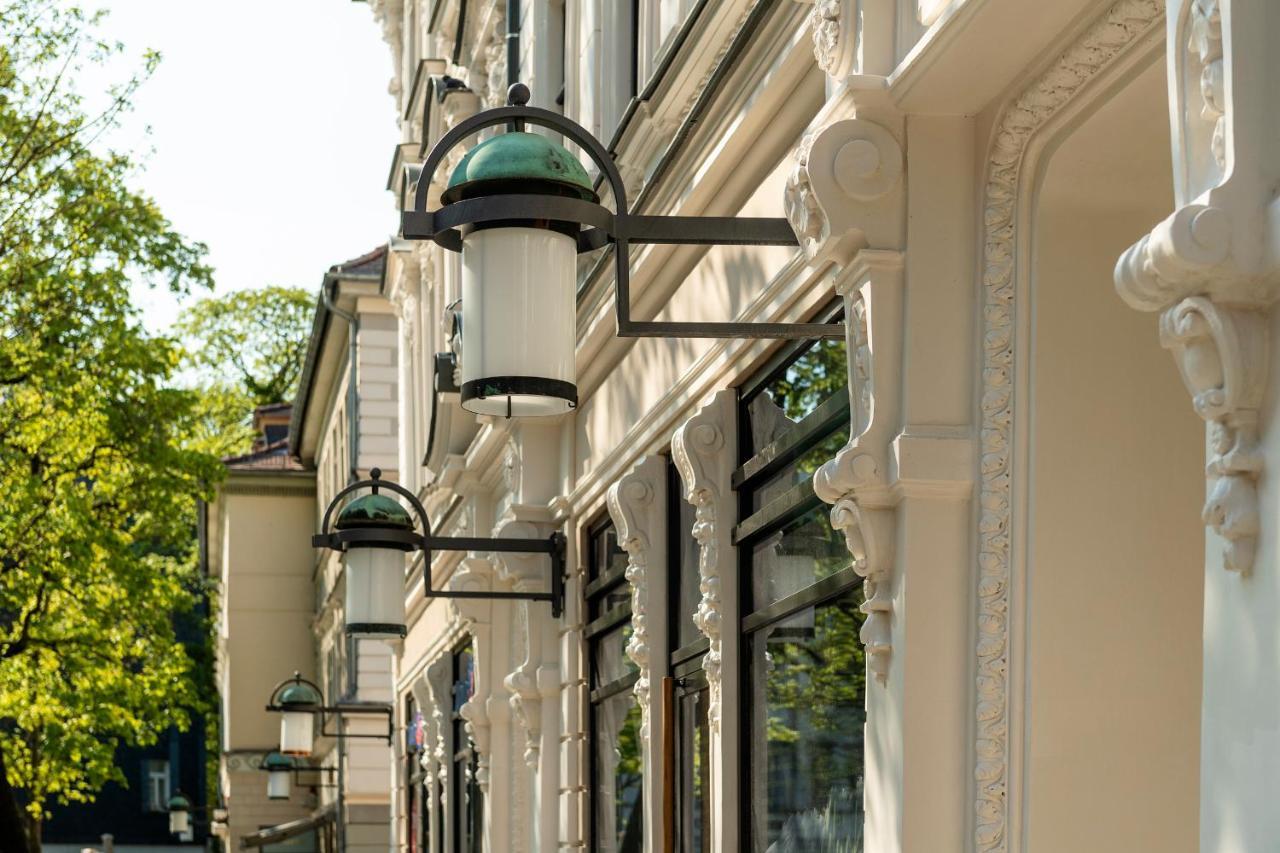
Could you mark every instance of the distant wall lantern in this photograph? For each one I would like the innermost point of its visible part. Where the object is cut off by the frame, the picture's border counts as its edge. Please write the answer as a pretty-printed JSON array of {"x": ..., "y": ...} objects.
[
  {"x": 279, "y": 769},
  {"x": 520, "y": 207},
  {"x": 179, "y": 814},
  {"x": 384, "y": 530},
  {"x": 298, "y": 701}
]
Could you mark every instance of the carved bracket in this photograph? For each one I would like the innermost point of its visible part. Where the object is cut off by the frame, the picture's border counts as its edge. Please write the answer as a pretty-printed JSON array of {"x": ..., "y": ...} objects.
[
  {"x": 846, "y": 190},
  {"x": 1211, "y": 267},
  {"x": 858, "y": 481},
  {"x": 703, "y": 451}
]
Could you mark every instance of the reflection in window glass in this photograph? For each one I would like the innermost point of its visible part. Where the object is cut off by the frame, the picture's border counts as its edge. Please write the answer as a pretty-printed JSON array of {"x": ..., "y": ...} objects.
[
  {"x": 796, "y": 556},
  {"x": 693, "y": 775},
  {"x": 619, "y": 811},
  {"x": 617, "y": 820},
  {"x": 806, "y": 730},
  {"x": 794, "y": 392}
]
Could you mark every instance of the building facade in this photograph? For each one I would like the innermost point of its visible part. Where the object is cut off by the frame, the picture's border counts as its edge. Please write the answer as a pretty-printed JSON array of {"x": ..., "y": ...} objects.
[{"x": 990, "y": 573}]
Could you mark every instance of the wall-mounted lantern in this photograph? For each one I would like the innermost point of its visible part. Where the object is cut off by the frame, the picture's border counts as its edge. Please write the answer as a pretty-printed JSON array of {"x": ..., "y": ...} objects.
[
  {"x": 179, "y": 813},
  {"x": 381, "y": 527},
  {"x": 298, "y": 701},
  {"x": 520, "y": 208},
  {"x": 279, "y": 770}
]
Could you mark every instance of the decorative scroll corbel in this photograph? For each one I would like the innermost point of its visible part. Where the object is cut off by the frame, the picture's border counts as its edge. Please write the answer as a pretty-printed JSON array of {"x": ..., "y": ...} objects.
[
  {"x": 638, "y": 506},
  {"x": 1212, "y": 267},
  {"x": 703, "y": 451},
  {"x": 845, "y": 191},
  {"x": 868, "y": 534},
  {"x": 858, "y": 481},
  {"x": 1222, "y": 355}
]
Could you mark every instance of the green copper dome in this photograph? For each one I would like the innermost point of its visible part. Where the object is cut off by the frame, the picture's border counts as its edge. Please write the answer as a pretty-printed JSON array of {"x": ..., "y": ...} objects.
[
  {"x": 299, "y": 693},
  {"x": 275, "y": 761},
  {"x": 518, "y": 156},
  {"x": 179, "y": 803},
  {"x": 373, "y": 511}
]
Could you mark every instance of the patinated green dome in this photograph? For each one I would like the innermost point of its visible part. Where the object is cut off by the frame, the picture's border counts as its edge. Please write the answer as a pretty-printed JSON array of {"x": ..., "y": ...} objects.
[
  {"x": 299, "y": 693},
  {"x": 276, "y": 761},
  {"x": 518, "y": 156},
  {"x": 373, "y": 511},
  {"x": 179, "y": 803}
]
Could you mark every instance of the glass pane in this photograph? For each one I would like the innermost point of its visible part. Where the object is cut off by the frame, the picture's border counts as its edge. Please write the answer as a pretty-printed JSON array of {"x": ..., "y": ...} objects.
[
  {"x": 618, "y": 777},
  {"x": 605, "y": 553},
  {"x": 806, "y": 754},
  {"x": 609, "y": 660},
  {"x": 464, "y": 677},
  {"x": 616, "y": 596},
  {"x": 801, "y": 469},
  {"x": 693, "y": 773},
  {"x": 797, "y": 556},
  {"x": 685, "y": 561},
  {"x": 795, "y": 392}
]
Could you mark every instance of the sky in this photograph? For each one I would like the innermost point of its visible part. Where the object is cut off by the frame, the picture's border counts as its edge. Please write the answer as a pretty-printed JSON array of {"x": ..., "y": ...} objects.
[{"x": 271, "y": 133}]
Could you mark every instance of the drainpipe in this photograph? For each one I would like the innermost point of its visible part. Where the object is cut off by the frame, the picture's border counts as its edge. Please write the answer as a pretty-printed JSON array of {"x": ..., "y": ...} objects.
[{"x": 353, "y": 376}]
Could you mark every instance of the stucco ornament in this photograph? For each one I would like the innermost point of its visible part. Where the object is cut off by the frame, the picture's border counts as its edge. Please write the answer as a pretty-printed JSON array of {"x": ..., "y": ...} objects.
[
  {"x": 834, "y": 27},
  {"x": 846, "y": 190},
  {"x": 631, "y": 503},
  {"x": 390, "y": 16},
  {"x": 858, "y": 482},
  {"x": 1121, "y": 26},
  {"x": 1212, "y": 267},
  {"x": 702, "y": 455}
]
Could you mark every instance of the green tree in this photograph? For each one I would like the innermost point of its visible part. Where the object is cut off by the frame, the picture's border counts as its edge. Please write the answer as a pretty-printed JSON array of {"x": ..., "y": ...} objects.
[
  {"x": 253, "y": 340},
  {"x": 97, "y": 481}
]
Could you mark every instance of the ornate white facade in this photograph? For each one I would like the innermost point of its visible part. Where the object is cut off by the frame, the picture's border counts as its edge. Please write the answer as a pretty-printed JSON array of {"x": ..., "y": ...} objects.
[{"x": 1066, "y": 582}]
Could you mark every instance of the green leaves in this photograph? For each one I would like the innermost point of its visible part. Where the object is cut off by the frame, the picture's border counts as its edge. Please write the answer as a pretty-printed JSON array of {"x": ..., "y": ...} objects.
[
  {"x": 253, "y": 339},
  {"x": 98, "y": 475}
]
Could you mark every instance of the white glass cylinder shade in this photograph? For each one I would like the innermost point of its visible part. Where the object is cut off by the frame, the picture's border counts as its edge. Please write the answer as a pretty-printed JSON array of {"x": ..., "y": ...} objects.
[
  {"x": 278, "y": 784},
  {"x": 179, "y": 822},
  {"x": 519, "y": 322},
  {"x": 375, "y": 592},
  {"x": 297, "y": 732}
]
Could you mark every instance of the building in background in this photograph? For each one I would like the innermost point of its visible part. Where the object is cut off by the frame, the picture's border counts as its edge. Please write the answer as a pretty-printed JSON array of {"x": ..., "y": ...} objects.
[
  {"x": 281, "y": 604},
  {"x": 951, "y": 582}
]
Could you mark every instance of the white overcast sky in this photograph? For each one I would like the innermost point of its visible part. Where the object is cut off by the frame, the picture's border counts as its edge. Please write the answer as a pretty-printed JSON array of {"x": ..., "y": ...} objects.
[{"x": 271, "y": 133}]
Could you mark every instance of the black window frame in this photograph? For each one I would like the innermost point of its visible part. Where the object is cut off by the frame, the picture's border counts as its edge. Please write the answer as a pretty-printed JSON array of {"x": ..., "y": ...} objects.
[
  {"x": 756, "y": 468},
  {"x": 468, "y": 821},
  {"x": 602, "y": 582}
]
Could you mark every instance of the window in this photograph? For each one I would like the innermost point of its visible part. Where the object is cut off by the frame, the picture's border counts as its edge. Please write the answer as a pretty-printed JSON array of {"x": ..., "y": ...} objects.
[
  {"x": 661, "y": 25},
  {"x": 155, "y": 780},
  {"x": 416, "y": 793},
  {"x": 688, "y": 646},
  {"x": 464, "y": 787},
  {"x": 803, "y": 667},
  {"x": 617, "y": 811}
]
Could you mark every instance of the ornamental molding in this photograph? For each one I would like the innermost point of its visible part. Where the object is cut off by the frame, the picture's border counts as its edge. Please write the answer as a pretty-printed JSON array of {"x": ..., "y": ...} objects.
[
  {"x": 1211, "y": 268},
  {"x": 859, "y": 481},
  {"x": 1123, "y": 24},
  {"x": 846, "y": 190},
  {"x": 390, "y": 16},
  {"x": 637, "y": 511},
  {"x": 703, "y": 452}
]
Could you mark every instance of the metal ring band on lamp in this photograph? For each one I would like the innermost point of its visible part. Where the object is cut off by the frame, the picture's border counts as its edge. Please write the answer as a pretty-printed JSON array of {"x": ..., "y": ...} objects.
[
  {"x": 505, "y": 386},
  {"x": 376, "y": 628}
]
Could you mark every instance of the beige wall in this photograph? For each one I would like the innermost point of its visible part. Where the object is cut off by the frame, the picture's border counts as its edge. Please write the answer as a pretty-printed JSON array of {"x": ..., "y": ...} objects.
[
  {"x": 267, "y": 605},
  {"x": 1113, "y": 583}
]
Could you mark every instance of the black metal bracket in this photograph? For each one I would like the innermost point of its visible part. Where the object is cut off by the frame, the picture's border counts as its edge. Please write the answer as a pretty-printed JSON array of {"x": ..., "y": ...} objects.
[
  {"x": 553, "y": 545},
  {"x": 357, "y": 709},
  {"x": 411, "y": 540},
  {"x": 599, "y": 226}
]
